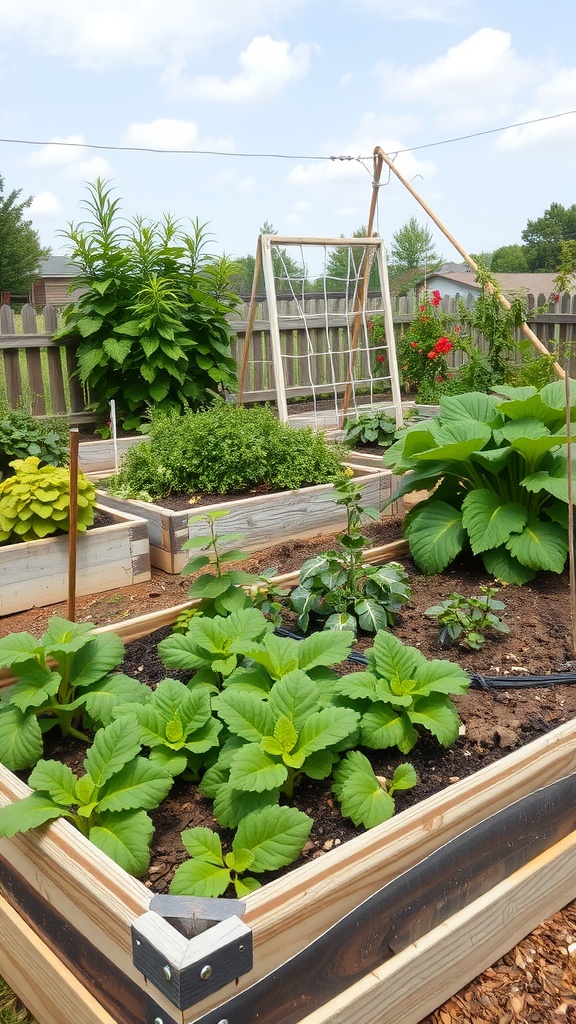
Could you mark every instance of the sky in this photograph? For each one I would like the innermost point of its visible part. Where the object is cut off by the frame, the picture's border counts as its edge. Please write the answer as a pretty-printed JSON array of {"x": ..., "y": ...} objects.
[{"x": 276, "y": 107}]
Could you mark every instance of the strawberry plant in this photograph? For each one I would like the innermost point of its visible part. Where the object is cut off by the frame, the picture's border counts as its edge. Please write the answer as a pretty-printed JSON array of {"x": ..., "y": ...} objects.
[
  {"x": 364, "y": 797},
  {"x": 465, "y": 620}
]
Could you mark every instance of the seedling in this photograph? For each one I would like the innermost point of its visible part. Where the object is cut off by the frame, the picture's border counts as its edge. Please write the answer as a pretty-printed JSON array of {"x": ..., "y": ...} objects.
[
  {"x": 364, "y": 797},
  {"x": 465, "y": 620}
]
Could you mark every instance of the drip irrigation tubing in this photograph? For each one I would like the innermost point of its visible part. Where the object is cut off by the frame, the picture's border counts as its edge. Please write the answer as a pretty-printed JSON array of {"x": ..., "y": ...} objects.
[{"x": 477, "y": 680}]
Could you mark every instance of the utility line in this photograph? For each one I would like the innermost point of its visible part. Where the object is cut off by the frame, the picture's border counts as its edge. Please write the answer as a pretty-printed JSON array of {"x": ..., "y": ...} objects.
[{"x": 278, "y": 156}]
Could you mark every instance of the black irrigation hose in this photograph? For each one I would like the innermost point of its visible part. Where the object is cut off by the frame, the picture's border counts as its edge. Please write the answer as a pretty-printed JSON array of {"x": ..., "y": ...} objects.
[{"x": 477, "y": 680}]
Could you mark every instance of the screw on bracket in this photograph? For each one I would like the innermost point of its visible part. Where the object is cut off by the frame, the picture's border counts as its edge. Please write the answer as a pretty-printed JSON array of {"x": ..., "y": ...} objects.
[{"x": 206, "y": 972}]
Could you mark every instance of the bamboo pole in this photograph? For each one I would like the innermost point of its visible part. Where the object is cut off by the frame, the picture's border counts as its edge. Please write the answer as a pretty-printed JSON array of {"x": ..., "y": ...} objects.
[
  {"x": 251, "y": 318},
  {"x": 571, "y": 560},
  {"x": 466, "y": 256},
  {"x": 73, "y": 525}
]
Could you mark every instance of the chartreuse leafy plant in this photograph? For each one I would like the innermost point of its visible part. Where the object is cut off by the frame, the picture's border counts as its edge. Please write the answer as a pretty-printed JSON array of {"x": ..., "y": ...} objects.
[
  {"x": 465, "y": 620},
  {"x": 60, "y": 678},
  {"x": 178, "y": 726},
  {"x": 364, "y": 797},
  {"x": 339, "y": 588},
  {"x": 401, "y": 692},
  {"x": 35, "y": 501},
  {"x": 265, "y": 840},
  {"x": 497, "y": 469},
  {"x": 108, "y": 803}
]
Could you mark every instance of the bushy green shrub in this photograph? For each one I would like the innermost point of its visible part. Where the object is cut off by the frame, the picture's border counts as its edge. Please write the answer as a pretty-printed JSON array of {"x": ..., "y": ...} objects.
[
  {"x": 227, "y": 449},
  {"x": 35, "y": 501},
  {"x": 22, "y": 435}
]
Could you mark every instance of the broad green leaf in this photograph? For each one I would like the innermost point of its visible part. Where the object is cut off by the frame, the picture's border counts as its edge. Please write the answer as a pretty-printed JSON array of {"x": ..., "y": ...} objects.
[
  {"x": 278, "y": 655},
  {"x": 55, "y": 779},
  {"x": 173, "y": 700},
  {"x": 95, "y": 658},
  {"x": 436, "y": 536},
  {"x": 199, "y": 878},
  {"x": 522, "y": 406},
  {"x": 443, "y": 677},
  {"x": 323, "y": 649},
  {"x": 125, "y": 838},
  {"x": 361, "y": 795},
  {"x": 232, "y": 805},
  {"x": 552, "y": 478},
  {"x": 113, "y": 747},
  {"x": 20, "y": 739},
  {"x": 275, "y": 836},
  {"x": 392, "y": 660},
  {"x": 18, "y": 647},
  {"x": 489, "y": 521},
  {"x": 244, "y": 886},
  {"x": 254, "y": 769},
  {"x": 203, "y": 844},
  {"x": 437, "y": 714},
  {"x": 554, "y": 395},
  {"x": 30, "y": 812},
  {"x": 383, "y": 726},
  {"x": 239, "y": 859},
  {"x": 295, "y": 696},
  {"x": 174, "y": 762},
  {"x": 320, "y": 764},
  {"x": 358, "y": 685},
  {"x": 502, "y": 566},
  {"x": 455, "y": 442},
  {"x": 141, "y": 783},
  {"x": 474, "y": 405},
  {"x": 404, "y": 778},
  {"x": 325, "y": 728},
  {"x": 541, "y": 545},
  {"x": 246, "y": 714},
  {"x": 111, "y": 692},
  {"x": 35, "y": 687},
  {"x": 371, "y": 615}
]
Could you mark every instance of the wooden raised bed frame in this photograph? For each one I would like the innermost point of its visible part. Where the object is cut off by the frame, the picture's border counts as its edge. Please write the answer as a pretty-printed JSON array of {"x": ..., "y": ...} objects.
[
  {"x": 66, "y": 910},
  {"x": 264, "y": 520},
  {"x": 35, "y": 574}
]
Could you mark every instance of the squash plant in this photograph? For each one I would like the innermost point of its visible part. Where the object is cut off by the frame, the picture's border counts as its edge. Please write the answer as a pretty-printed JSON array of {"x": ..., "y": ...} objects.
[{"x": 497, "y": 469}]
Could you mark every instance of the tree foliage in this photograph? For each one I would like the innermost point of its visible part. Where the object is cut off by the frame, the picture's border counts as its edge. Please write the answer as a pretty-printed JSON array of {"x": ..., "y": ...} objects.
[
  {"x": 543, "y": 237},
  {"x": 509, "y": 259},
  {"x": 20, "y": 250},
  {"x": 412, "y": 246},
  {"x": 286, "y": 269}
]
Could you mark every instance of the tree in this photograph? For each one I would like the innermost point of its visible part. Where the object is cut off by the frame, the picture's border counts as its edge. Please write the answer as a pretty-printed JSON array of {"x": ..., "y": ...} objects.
[
  {"x": 509, "y": 259},
  {"x": 412, "y": 247},
  {"x": 543, "y": 237},
  {"x": 285, "y": 268},
  {"x": 21, "y": 253}
]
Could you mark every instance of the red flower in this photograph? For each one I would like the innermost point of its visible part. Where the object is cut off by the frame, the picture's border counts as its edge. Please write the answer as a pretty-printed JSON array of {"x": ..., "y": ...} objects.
[
  {"x": 458, "y": 328},
  {"x": 413, "y": 344},
  {"x": 556, "y": 298},
  {"x": 379, "y": 359},
  {"x": 432, "y": 354},
  {"x": 443, "y": 345},
  {"x": 436, "y": 298},
  {"x": 422, "y": 308},
  {"x": 439, "y": 378}
]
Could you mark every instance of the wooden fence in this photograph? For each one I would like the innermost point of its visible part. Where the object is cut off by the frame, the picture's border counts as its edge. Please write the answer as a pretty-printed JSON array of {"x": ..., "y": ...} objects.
[{"x": 37, "y": 372}]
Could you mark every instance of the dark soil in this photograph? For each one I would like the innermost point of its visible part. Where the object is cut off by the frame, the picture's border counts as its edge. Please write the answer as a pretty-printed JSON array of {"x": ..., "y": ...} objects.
[{"x": 495, "y": 721}]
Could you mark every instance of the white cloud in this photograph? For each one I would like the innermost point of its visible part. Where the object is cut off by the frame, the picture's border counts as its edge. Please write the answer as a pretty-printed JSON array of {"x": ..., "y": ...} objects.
[
  {"x": 71, "y": 159},
  {"x": 169, "y": 133},
  {"x": 59, "y": 150},
  {"x": 137, "y": 32},
  {"x": 555, "y": 96},
  {"x": 267, "y": 66},
  {"x": 472, "y": 83},
  {"x": 45, "y": 204}
]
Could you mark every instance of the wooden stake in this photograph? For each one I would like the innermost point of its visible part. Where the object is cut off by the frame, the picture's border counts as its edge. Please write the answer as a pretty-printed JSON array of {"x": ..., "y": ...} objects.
[
  {"x": 73, "y": 525},
  {"x": 251, "y": 318},
  {"x": 571, "y": 561},
  {"x": 471, "y": 263}
]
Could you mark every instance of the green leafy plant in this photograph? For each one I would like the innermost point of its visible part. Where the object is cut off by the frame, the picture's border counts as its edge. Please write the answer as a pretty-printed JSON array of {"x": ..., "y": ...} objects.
[
  {"x": 465, "y": 620},
  {"x": 422, "y": 350},
  {"x": 60, "y": 678},
  {"x": 338, "y": 587},
  {"x": 35, "y": 502},
  {"x": 265, "y": 840},
  {"x": 220, "y": 591},
  {"x": 152, "y": 318},
  {"x": 364, "y": 797},
  {"x": 108, "y": 803},
  {"x": 21, "y": 435},
  {"x": 497, "y": 470},
  {"x": 214, "y": 647},
  {"x": 227, "y": 449},
  {"x": 177, "y": 725},
  {"x": 369, "y": 428},
  {"x": 402, "y": 691}
]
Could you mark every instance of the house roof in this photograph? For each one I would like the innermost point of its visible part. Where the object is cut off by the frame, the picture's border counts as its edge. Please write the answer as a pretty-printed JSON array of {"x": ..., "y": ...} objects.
[
  {"x": 58, "y": 266},
  {"x": 510, "y": 284}
]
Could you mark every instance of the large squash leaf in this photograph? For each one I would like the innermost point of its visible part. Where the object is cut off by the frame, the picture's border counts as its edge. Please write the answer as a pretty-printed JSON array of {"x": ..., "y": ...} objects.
[
  {"x": 436, "y": 536},
  {"x": 489, "y": 521}
]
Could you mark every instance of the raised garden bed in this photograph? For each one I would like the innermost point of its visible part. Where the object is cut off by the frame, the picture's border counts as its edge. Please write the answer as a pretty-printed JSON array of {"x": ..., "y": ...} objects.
[
  {"x": 99, "y": 456},
  {"x": 35, "y": 574},
  {"x": 84, "y": 907},
  {"x": 263, "y": 519}
]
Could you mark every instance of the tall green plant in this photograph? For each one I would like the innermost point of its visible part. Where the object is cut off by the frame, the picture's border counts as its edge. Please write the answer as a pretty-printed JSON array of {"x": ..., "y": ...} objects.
[
  {"x": 497, "y": 470},
  {"x": 152, "y": 320}
]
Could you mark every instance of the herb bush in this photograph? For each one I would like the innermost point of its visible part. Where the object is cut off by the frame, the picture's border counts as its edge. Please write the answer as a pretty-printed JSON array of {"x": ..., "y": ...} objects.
[
  {"x": 497, "y": 469},
  {"x": 227, "y": 449},
  {"x": 22, "y": 435}
]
